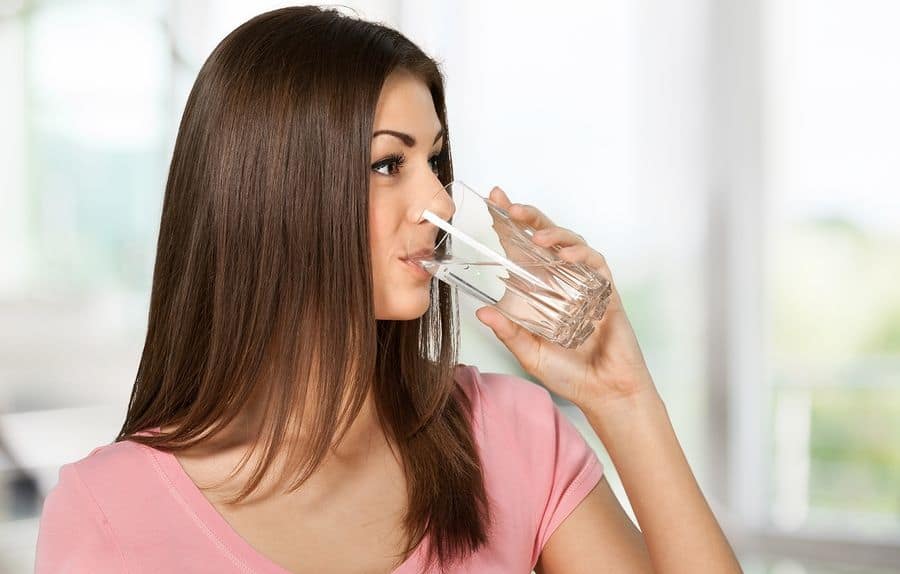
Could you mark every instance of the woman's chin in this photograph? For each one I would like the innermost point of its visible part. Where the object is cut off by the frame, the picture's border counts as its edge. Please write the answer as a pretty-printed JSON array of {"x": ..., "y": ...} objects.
[{"x": 405, "y": 306}]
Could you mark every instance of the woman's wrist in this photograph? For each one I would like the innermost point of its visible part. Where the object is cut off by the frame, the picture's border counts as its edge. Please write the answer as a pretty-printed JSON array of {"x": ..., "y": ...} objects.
[
  {"x": 641, "y": 397},
  {"x": 620, "y": 418}
]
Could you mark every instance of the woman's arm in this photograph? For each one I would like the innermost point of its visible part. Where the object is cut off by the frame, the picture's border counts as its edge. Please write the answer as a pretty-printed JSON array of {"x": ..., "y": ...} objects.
[
  {"x": 608, "y": 379},
  {"x": 680, "y": 532}
]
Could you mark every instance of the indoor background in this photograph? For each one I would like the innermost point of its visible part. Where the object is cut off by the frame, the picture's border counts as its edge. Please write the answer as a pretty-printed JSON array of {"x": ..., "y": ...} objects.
[{"x": 736, "y": 161}]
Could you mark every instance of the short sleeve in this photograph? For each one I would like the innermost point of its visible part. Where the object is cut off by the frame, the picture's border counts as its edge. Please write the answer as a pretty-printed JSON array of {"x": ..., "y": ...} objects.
[
  {"x": 73, "y": 534},
  {"x": 544, "y": 465},
  {"x": 572, "y": 472}
]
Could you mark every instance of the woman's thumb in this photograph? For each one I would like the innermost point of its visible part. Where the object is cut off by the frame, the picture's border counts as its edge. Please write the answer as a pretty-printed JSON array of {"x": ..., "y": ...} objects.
[
  {"x": 516, "y": 339},
  {"x": 495, "y": 320}
]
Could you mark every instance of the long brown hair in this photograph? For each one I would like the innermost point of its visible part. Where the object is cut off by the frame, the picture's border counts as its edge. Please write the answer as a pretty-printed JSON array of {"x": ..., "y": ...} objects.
[{"x": 263, "y": 282}]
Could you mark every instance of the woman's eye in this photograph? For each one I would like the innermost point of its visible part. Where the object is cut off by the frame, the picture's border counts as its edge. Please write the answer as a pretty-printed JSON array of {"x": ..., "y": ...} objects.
[
  {"x": 393, "y": 164},
  {"x": 391, "y": 161},
  {"x": 388, "y": 166}
]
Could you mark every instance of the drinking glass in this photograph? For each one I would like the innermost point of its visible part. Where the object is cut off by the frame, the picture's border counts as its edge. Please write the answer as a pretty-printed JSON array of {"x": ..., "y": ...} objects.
[{"x": 482, "y": 252}]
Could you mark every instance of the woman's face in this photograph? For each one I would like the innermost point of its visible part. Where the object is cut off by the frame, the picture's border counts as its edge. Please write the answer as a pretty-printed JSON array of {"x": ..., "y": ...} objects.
[{"x": 402, "y": 182}]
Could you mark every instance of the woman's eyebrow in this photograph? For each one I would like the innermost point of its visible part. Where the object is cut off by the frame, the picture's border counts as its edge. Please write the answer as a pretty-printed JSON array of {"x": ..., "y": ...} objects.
[{"x": 407, "y": 139}]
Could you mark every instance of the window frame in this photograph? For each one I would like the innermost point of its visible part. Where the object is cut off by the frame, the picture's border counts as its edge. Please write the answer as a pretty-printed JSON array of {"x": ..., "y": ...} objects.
[{"x": 736, "y": 360}]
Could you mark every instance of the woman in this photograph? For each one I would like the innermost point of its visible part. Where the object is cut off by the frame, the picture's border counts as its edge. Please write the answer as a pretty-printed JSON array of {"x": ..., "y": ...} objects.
[{"x": 298, "y": 405}]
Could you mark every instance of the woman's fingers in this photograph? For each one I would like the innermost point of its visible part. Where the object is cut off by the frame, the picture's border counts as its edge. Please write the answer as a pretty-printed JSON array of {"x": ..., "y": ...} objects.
[
  {"x": 557, "y": 236},
  {"x": 530, "y": 215},
  {"x": 573, "y": 246},
  {"x": 582, "y": 253},
  {"x": 519, "y": 211},
  {"x": 498, "y": 196}
]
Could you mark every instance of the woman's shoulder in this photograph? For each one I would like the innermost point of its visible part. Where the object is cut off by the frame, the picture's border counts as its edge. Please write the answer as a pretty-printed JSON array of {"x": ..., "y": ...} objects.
[
  {"x": 109, "y": 476},
  {"x": 504, "y": 393},
  {"x": 110, "y": 464},
  {"x": 90, "y": 507},
  {"x": 511, "y": 416},
  {"x": 518, "y": 425},
  {"x": 537, "y": 464}
]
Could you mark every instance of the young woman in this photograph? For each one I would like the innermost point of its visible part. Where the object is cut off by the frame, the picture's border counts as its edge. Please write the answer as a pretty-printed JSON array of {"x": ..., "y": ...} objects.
[{"x": 298, "y": 405}]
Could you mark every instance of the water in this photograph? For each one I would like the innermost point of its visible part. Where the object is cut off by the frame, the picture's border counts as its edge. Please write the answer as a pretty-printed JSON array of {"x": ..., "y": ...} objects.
[{"x": 554, "y": 299}]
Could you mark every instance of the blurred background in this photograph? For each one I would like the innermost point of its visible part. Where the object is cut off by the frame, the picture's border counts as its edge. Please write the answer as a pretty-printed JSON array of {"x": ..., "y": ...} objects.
[{"x": 736, "y": 161}]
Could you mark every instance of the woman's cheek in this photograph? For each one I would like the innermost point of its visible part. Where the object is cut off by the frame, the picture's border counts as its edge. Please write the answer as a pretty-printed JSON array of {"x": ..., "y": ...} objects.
[{"x": 378, "y": 243}]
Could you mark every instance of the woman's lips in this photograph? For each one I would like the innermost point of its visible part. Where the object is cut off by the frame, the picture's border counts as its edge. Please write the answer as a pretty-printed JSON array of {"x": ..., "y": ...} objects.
[
  {"x": 410, "y": 263},
  {"x": 416, "y": 268},
  {"x": 425, "y": 251}
]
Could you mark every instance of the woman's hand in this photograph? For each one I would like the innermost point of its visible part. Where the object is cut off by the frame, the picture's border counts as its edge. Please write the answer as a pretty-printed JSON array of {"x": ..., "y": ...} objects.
[{"x": 609, "y": 365}]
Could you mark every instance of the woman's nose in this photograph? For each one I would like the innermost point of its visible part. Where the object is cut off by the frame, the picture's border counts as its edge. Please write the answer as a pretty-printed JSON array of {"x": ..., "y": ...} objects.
[{"x": 438, "y": 202}]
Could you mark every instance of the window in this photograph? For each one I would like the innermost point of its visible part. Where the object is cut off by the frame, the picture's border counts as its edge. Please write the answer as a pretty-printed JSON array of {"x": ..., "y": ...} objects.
[{"x": 832, "y": 258}]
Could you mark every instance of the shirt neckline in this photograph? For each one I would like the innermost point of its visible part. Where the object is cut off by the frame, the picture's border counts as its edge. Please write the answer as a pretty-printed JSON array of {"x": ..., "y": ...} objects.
[{"x": 246, "y": 557}]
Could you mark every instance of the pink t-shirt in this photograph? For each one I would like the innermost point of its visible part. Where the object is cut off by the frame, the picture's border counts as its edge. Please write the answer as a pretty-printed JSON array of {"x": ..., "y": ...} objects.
[{"x": 129, "y": 508}]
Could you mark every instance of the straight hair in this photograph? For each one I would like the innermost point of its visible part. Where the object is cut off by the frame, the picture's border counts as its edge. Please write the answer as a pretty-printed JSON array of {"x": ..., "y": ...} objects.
[{"x": 262, "y": 283}]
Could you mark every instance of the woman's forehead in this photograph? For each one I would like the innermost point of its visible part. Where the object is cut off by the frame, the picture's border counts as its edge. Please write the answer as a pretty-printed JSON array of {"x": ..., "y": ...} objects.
[{"x": 405, "y": 105}]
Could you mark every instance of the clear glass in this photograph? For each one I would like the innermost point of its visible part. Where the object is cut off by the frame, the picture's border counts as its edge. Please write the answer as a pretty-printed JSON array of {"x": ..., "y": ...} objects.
[{"x": 482, "y": 252}]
